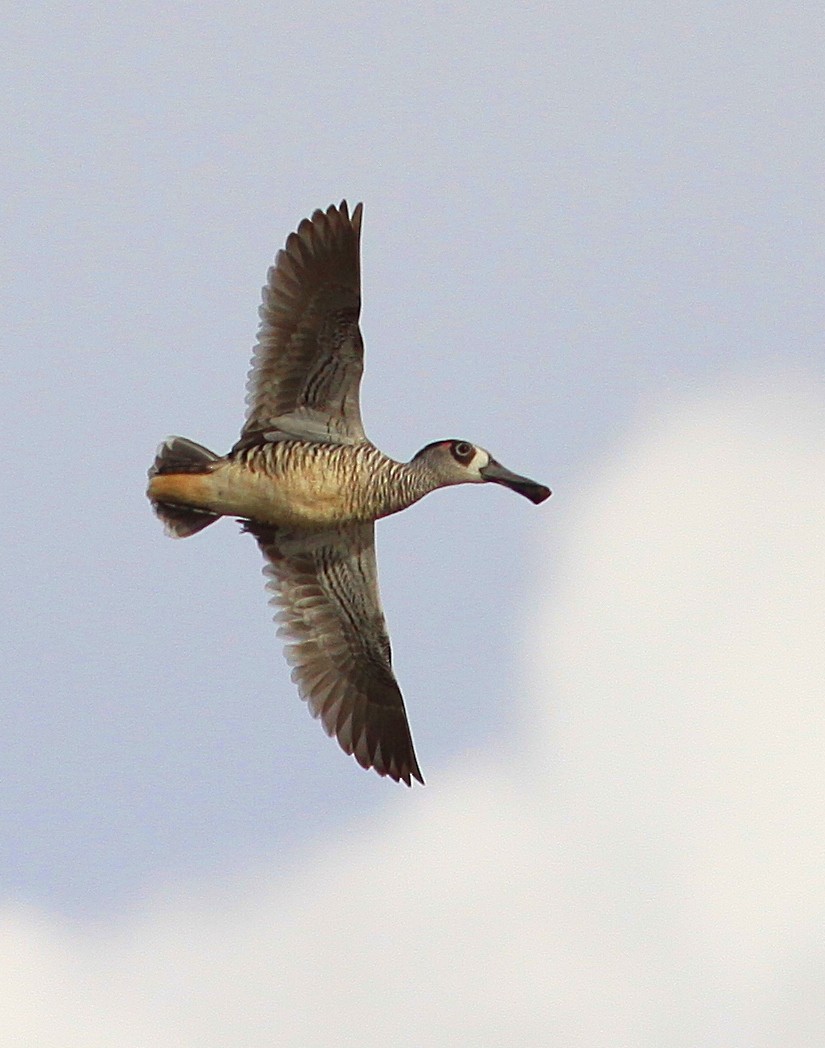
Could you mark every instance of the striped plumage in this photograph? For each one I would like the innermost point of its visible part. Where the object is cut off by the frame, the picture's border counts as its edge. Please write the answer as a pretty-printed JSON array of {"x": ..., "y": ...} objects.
[
  {"x": 308, "y": 484},
  {"x": 371, "y": 484}
]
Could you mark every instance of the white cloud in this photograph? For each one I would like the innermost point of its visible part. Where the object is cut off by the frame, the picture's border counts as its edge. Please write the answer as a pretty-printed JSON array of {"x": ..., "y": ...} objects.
[{"x": 649, "y": 874}]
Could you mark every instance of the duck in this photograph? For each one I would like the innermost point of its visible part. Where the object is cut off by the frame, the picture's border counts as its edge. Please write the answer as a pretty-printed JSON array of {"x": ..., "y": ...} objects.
[{"x": 305, "y": 481}]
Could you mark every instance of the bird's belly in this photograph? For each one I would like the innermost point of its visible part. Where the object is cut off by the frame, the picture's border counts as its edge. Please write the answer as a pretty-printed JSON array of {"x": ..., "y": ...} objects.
[{"x": 290, "y": 499}]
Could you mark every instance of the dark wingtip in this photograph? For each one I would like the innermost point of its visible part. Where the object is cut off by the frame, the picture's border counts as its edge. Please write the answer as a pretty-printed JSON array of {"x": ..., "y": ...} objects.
[{"x": 415, "y": 773}]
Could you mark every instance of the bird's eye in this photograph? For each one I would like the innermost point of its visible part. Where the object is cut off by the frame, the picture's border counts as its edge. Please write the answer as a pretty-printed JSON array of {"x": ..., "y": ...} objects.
[{"x": 463, "y": 451}]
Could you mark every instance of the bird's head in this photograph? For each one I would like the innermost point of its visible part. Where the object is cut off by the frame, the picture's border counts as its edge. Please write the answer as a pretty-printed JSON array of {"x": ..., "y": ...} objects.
[{"x": 460, "y": 462}]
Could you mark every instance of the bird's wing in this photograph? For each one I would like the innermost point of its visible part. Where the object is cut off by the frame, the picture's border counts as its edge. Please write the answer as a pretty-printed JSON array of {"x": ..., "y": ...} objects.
[
  {"x": 326, "y": 587},
  {"x": 308, "y": 360}
]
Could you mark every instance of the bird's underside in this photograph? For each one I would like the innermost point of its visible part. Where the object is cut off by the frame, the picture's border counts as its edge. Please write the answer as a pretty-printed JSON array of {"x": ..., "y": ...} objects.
[{"x": 308, "y": 484}]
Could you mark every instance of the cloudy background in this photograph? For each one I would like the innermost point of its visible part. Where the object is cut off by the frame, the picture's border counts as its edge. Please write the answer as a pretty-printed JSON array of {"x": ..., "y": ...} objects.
[{"x": 593, "y": 243}]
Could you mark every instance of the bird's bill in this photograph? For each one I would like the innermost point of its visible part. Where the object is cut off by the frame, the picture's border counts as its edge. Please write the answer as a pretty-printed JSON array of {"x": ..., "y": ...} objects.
[{"x": 495, "y": 472}]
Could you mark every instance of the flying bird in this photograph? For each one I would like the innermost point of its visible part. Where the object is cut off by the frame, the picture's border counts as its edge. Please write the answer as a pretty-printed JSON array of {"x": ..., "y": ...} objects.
[{"x": 308, "y": 484}]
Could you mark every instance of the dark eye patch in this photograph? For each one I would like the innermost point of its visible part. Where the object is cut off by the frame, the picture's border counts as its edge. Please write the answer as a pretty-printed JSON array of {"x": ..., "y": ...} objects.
[{"x": 462, "y": 451}]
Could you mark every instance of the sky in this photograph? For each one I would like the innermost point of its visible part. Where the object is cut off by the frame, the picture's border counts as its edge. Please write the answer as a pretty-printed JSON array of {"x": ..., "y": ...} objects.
[{"x": 592, "y": 244}]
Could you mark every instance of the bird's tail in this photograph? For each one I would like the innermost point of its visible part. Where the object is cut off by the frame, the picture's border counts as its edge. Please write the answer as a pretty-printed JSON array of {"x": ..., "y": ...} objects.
[{"x": 172, "y": 477}]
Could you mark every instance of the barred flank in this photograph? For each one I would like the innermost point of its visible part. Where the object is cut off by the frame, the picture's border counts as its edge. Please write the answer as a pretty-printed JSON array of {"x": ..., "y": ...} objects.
[{"x": 373, "y": 485}]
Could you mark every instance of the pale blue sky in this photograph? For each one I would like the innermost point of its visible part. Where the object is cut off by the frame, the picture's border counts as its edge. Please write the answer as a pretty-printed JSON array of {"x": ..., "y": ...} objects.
[{"x": 576, "y": 216}]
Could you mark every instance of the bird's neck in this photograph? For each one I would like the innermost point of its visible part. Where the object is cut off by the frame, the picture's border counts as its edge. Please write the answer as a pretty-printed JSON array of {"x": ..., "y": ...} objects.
[{"x": 401, "y": 484}]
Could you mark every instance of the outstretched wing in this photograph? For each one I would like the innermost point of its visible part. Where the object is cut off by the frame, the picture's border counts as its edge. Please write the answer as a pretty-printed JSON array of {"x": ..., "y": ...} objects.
[
  {"x": 308, "y": 361},
  {"x": 326, "y": 587}
]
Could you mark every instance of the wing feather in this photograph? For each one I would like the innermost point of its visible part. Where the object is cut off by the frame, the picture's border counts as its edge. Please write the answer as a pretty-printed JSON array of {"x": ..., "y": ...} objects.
[
  {"x": 325, "y": 586},
  {"x": 307, "y": 365}
]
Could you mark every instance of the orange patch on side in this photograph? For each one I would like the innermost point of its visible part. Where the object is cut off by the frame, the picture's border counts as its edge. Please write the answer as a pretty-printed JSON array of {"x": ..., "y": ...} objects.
[{"x": 183, "y": 489}]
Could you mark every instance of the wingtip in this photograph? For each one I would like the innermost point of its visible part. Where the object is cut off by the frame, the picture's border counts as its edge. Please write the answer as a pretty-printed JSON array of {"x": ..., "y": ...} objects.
[
  {"x": 416, "y": 774},
  {"x": 402, "y": 775},
  {"x": 408, "y": 771},
  {"x": 371, "y": 758},
  {"x": 353, "y": 218}
]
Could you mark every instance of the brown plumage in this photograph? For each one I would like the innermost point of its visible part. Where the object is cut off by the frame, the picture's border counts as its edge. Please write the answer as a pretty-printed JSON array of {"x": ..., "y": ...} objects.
[{"x": 308, "y": 484}]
